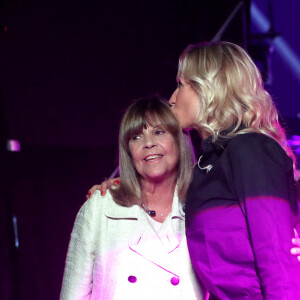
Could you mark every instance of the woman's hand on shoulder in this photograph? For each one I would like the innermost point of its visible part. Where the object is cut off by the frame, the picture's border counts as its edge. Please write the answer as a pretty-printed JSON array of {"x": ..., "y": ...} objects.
[
  {"x": 103, "y": 186},
  {"x": 296, "y": 242}
]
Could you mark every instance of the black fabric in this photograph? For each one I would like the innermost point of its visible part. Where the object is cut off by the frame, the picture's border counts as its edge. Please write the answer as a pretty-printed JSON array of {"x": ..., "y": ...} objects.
[
  {"x": 250, "y": 170},
  {"x": 236, "y": 154}
]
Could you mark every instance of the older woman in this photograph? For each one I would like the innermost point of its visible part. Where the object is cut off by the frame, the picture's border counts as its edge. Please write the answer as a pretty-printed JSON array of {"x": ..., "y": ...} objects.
[
  {"x": 241, "y": 207},
  {"x": 131, "y": 244}
]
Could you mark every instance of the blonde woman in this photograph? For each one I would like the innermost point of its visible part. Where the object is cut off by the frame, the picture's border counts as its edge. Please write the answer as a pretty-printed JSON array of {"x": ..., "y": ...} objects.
[{"x": 241, "y": 207}]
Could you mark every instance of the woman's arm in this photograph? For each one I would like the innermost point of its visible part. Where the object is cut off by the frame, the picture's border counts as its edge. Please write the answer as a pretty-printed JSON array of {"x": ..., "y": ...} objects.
[
  {"x": 263, "y": 181},
  {"x": 78, "y": 274}
]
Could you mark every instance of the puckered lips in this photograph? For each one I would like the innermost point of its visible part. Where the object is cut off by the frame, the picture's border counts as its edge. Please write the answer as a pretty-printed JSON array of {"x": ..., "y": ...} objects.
[{"x": 152, "y": 157}]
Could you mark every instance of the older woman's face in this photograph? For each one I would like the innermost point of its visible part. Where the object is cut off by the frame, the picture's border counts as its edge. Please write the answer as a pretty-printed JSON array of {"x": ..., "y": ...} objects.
[
  {"x": 155, "y": 154},
  {"x": 185, "y": 104}
]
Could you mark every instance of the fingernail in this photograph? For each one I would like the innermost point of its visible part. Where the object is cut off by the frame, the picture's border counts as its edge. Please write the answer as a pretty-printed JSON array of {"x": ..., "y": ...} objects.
[
  {"x": 90, "y": 194},
  {"x": 101, "y": 193},
  {"x": 293, "y": 240},
  {"x": 116, "y": 182},
  {"x": 293, "y": 251},
  {"x": 298, "y": 258}
]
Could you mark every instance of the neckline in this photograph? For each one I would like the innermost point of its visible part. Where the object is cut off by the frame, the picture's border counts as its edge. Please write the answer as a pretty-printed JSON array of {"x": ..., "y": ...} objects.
[{"x": 208, "y": 145}]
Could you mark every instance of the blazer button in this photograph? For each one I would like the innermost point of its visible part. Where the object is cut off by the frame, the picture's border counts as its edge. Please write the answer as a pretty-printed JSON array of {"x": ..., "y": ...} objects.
[
  {"x": 132, "y": 279},
  {"x": 175, "y": 280}
]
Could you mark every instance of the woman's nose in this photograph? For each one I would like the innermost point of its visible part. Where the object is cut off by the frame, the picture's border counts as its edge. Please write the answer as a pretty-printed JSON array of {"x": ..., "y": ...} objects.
[
  {"x": 172, "y": 100},
  {"x": 149, "y": 142}
]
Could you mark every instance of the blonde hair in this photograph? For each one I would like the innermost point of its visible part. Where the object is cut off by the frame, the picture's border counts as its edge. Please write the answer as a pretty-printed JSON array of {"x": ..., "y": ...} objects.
[
  {"x": 140, "y": 114},
  {"x": 231, "y": 92}
]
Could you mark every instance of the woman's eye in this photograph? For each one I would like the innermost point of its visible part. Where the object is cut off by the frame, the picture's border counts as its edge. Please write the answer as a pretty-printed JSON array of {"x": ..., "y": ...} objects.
[
  {"x": 159, "y": 132},
  {"x": 136, "y": 137}
]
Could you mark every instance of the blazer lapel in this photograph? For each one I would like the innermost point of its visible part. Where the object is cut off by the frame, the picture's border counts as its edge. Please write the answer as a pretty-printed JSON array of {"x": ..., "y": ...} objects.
[
  {"x": 156, "y": 246},
  {"x": 172, "y": 230},
  {"x": 147, "y": 244}
]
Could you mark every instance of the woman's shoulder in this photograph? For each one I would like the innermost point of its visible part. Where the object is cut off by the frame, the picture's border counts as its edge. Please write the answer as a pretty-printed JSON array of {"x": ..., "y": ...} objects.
[
  {"x": 97, "y": 203},
  {"x": 255, "y": 146},
  {"x": 252, "y": 137},
  {"x": 253, "y": 140},
  {"x": 106, "y": 206}
]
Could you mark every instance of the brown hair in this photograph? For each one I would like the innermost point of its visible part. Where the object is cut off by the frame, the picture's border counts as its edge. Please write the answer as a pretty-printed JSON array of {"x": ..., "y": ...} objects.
[{"x": 143, "y": 112}]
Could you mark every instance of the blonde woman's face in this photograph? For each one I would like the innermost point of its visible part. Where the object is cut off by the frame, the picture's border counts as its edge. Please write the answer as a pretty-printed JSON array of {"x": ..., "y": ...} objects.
[{"x": 185, "y": 104}]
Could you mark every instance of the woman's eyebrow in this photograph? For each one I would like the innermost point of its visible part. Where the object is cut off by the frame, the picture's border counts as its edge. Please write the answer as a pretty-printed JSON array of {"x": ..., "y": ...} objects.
[{"x": 159, "y": 125}]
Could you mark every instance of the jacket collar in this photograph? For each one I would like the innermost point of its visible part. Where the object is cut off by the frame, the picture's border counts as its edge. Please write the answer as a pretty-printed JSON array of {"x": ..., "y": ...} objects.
[
  {"x": 168, "y": 237},
  {"x": 156, "y": 246},
  {"x": 208, "y": 145},
  {"x": 116, "y": 211}
]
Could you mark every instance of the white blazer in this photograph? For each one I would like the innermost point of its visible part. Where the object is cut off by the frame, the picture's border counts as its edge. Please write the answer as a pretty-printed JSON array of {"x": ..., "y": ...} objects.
[{"x": 114, "y": 253}]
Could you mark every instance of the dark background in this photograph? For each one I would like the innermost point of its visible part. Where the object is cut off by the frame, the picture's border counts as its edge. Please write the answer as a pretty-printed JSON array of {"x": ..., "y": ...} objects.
[{"x": 68, "y": 70}]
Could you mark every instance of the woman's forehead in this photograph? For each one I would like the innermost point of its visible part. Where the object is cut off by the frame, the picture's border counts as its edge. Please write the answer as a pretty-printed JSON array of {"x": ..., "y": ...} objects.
[
  {"x": 148, "y": 124},
  {"x": 152, "y": 125},
  {"x": 152, "y": 119}
]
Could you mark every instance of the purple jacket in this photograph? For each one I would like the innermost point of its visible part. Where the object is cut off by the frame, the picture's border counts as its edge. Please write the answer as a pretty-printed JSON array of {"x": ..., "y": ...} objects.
[{"x": 240, "y": 215}]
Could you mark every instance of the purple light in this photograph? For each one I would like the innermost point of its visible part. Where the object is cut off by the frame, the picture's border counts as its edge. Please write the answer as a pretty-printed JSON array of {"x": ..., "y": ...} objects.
[
  {"x": 13, "y": 146},
  {"x": 287, "y": 54},
  {"x": 294, "y": 142}
]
